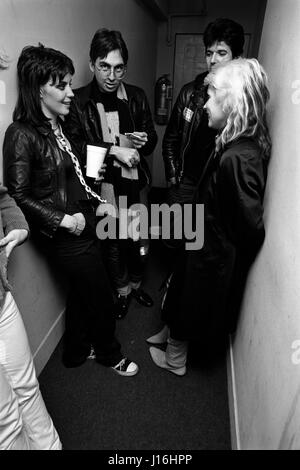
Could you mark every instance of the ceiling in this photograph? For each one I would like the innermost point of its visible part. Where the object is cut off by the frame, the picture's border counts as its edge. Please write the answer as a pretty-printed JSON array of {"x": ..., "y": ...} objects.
[
  {"x": 176, "y": 7},
  {"x": 161, "y": 9}
]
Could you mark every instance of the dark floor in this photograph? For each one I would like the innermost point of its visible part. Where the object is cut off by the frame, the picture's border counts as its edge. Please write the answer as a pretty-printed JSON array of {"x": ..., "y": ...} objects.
[{"x": 94, "y": 408}]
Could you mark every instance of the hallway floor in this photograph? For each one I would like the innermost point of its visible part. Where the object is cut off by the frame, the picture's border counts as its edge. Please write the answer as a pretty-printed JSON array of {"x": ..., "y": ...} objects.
[{"x": 95, "y": 409}]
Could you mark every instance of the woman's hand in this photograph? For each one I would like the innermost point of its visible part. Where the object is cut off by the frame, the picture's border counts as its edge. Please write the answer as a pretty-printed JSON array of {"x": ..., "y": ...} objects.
[
  {"x": 80, "y": 223},
  {"x": 13, "y": 238},
  {"x": 73, "y": 223},
  {"x": 128, "y": 156},
  {"x": 139, "y": 139}
]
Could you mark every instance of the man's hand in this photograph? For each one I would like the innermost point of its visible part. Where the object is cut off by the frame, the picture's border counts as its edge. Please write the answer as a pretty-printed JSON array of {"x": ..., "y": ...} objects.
[
  {"x": 173, "y": 181},
  {"x": 13, "y": 238},
  {"x": 101, "y": 174},
  {"x": 139, "y": 139},
  {"x": 128, "y": 156}
]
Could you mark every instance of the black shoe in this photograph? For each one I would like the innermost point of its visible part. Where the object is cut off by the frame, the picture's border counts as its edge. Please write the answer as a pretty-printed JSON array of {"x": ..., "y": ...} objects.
[
  {"x": 142, "y": 297},
  {"x": 121, "y": 306},
  {"x": 73, "y": 361}
]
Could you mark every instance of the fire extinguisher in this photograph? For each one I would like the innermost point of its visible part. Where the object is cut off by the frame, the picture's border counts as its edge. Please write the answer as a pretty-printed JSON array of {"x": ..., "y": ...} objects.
[{"x": 163, "y": 95}]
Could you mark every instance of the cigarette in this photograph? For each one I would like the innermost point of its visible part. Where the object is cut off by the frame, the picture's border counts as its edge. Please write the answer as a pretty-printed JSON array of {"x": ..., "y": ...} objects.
[{"x": 130, "y": 134}]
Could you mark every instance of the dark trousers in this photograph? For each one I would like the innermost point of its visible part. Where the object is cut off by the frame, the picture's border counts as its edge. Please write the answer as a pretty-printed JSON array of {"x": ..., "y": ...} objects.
[
  {"x": 124, "y": 263},
  {"x": 184, "y": 193},
  {"x": 181, "y": 194},
  {"x": 89, "y": 310}
]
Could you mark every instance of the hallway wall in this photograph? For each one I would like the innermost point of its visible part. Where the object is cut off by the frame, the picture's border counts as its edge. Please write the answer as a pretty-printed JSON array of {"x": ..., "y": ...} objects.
[
  {"x": 267, "y": 344},
  {"x": 67, "y": 25}
]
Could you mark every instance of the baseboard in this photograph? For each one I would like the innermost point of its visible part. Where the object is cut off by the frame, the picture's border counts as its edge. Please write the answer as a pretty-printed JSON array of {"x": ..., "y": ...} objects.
[
  {"x": 49, "y": 343},
  {"x": 232, "y": 399}
]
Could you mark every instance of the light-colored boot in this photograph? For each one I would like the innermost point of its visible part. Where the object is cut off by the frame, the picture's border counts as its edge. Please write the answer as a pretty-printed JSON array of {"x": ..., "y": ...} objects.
[
  {"x": 160, "y": 337},
  {"x": 174, "y": 359}
]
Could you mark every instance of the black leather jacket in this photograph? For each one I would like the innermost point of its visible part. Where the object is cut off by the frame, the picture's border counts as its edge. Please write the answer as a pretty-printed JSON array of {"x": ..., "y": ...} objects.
[
  {"x": 34, "y": 174},
  {"x": 186, "y": 117},
  {"x": 232, "y": 190},
  {"x": 83, "y": 122}
]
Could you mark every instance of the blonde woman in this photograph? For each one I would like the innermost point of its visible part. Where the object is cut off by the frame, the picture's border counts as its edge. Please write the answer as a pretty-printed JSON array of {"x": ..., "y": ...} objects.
[{"x": 206, "y": 287}]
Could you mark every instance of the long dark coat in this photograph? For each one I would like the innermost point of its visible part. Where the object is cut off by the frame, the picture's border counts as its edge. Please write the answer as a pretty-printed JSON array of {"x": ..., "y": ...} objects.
[{"x": 207, "y": 285}]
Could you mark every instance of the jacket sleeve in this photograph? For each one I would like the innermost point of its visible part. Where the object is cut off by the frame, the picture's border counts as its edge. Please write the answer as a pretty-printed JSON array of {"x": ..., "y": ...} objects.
[
  {"x": 173, "y": 135},
  {"x": 11, "y": 214},
  {"x": 18, "y": 166},
  {"x": 147, "y": 125},
  {"x": 241, "y": 185}
]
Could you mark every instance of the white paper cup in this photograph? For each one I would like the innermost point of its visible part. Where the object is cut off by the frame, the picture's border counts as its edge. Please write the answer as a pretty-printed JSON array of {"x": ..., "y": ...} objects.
[{"x": 94, "y": 159}]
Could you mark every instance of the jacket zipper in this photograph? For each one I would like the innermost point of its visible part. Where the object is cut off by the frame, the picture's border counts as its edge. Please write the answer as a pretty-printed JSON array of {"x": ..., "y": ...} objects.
[
  {"x": 187, "y": 143},
  {"x": 127, "y": 102}
]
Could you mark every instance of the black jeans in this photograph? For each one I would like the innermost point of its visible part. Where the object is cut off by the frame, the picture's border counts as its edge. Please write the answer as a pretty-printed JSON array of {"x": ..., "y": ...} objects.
[
  {"x": 181, "y": 195},
  {"x": 89, "y": 311},
  {"x": 184, "y": 193},
  {"x": 124, "y": 263}
]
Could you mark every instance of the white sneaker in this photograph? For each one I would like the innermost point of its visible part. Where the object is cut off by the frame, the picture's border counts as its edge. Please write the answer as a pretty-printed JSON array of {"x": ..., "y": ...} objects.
[
  {"x": 159, "y": 358},
  {"x": 126, "y": 367},
  {"x": 92, "y": 354}
]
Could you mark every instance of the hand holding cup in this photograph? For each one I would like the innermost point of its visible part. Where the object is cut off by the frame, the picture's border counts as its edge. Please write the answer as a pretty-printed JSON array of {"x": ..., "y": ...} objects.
[{"x": 101, "y": 172}]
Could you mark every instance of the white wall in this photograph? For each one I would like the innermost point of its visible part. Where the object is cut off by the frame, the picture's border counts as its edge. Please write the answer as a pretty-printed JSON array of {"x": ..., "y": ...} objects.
[
  {"x": 267, "y": 368},
  {"x": 249, "y": 14},
  {"x": 67, "y": 25}
]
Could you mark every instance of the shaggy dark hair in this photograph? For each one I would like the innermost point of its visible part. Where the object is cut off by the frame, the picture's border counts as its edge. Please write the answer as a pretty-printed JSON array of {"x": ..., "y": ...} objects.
[
  {"x": 228, "y": 31},
  {"x": 104, "y": 42},
  {"x": 36, "y": 66}
]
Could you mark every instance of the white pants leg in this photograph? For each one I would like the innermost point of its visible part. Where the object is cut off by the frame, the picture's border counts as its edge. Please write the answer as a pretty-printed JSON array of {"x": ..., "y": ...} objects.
[
  {"x": 24, "y": 421},
  {"x": 176, "y": 353}
]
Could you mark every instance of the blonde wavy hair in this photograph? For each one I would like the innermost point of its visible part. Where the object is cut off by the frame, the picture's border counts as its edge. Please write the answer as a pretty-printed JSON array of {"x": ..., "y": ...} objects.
[{"x": 244, "y": 94}]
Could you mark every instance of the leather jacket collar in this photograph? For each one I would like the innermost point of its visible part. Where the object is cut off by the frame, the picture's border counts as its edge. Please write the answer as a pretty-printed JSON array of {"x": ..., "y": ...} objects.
[{"x": 45, "y": 128}]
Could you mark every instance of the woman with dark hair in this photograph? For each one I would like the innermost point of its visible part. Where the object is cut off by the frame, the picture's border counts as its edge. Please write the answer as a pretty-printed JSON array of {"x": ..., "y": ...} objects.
[
  {"x": 43, "y": 173},
  {"x": 206, "y": 287}
]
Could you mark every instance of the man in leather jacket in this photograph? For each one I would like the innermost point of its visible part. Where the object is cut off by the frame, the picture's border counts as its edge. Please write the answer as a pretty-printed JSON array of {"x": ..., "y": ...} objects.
[
  {"x": 104, "y": 111},
  {"x": 188, "y": 141}
]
